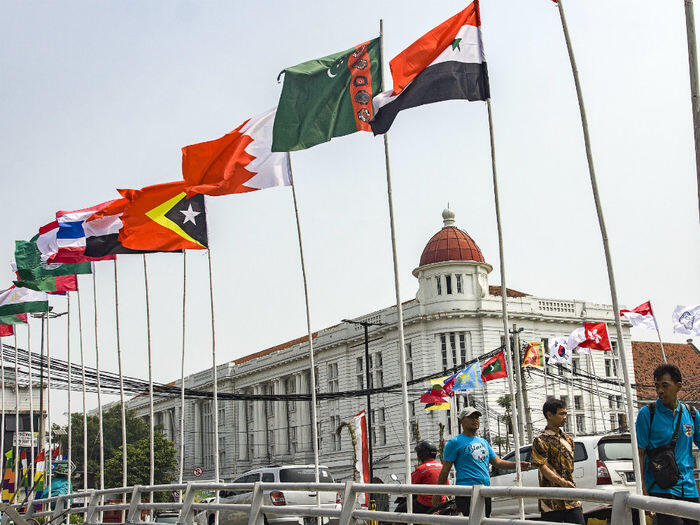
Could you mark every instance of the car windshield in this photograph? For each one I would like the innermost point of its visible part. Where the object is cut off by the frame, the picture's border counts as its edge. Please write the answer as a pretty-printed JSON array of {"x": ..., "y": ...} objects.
[
  {"x": 618, "y": 450},
  {"x": 292, "y": 475}
]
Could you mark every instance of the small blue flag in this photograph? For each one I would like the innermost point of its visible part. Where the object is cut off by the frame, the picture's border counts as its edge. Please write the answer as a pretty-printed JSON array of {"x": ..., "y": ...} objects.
[{"x": 468, "y": 378}]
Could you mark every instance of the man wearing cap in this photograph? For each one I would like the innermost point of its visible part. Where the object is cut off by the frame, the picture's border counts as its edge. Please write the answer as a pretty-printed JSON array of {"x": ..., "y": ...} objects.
[{"x": 471, "y": 456}]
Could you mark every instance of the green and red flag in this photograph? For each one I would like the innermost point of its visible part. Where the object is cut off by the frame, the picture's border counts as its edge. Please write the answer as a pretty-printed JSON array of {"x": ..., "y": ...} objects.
[
  {"x": 327, "y": 97},
  {"x": 37, "y": 275},
  {"x": 534, "y": 356},
  {"x": 494, "y": 368}
]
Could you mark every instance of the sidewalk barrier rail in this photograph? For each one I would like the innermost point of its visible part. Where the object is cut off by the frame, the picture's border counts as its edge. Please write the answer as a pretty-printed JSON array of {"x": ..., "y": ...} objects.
[{"x": 90, "y": 504}]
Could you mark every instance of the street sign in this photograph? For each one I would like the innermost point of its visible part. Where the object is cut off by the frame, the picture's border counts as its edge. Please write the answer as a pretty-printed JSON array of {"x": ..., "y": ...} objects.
[
  {"x": 197, "y": 472},
  {"x": 25, "y": 439}
]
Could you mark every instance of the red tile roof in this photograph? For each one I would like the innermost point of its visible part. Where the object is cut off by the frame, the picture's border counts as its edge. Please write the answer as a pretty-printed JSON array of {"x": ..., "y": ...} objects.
[
  {"x": 274, "y": 349},
  {"x": 496, "y": 290},
  {"x": 647, "y": 356},
  {"x": 450, "y": 244}
]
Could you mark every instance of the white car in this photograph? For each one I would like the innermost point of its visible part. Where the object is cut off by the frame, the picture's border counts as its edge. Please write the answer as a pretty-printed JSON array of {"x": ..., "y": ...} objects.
[
  {"x": 276, "y": 474},
  {"x": 600, "y": 462}
]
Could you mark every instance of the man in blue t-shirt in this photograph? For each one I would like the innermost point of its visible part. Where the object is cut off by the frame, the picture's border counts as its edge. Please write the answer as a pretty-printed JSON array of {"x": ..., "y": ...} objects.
[
  {"x": 471, "y": 456},
  {"x": 653, "y": 433}
]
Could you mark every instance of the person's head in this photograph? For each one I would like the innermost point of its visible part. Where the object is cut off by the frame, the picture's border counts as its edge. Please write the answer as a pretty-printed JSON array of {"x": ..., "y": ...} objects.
[
  {"x": 554, "y": 411},
  {"x": 668, "y": 382},
  {"x": 425, "y": 451},
  {"x": 469, "y": 419}
]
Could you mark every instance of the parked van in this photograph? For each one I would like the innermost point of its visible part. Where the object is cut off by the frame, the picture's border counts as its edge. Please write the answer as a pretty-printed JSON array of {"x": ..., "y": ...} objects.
[
  {"x": 276, "y": 474},
  {"x": 600, "y": 462}
]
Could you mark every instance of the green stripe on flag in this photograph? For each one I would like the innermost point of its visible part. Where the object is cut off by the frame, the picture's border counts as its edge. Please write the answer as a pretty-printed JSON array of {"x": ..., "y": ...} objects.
[{"x": 31, "y": 268}]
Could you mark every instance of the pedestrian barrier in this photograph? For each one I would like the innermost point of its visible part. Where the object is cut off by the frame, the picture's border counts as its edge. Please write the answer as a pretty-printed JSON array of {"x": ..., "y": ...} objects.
[{"x": 90, "y": 504}]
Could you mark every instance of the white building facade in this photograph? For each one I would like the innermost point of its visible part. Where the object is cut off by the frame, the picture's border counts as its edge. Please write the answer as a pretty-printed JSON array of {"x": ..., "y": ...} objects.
[{"x": 455, "y": 317}]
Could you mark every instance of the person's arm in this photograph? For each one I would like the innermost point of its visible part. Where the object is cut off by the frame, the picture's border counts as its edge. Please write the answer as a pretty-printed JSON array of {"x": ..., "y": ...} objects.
[
  {"x": 641, "y": 452},
  {"x": 555, "y": 478},
  {"x": 442, "y": 480},
  {"x": 508, "y": 465},
  {"x": 696, "y": 428}
]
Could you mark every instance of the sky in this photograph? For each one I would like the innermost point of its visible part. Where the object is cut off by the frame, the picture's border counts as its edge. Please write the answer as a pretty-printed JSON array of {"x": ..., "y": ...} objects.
[{"x": 96, "y": 96}]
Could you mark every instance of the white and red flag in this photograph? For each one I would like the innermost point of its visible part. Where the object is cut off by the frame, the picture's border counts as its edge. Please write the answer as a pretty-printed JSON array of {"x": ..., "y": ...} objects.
[
  {"x": 238, "y": 162},
  {"x": 447, "y": 63},
  {"x": 359, "y": 425},
  {"x": 592, "y": 336},
  {"x": 559, "y": 352},
  {"x": 641, "y": 317}
]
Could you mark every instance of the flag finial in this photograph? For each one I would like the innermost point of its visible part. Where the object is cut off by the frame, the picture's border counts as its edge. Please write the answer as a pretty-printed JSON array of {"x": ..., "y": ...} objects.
[{"x": 448, "y": 217}]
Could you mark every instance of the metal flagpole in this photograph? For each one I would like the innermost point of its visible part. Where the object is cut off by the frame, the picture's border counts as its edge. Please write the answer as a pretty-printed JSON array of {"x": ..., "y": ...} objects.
[
  {"x": 694, "y": 90},
  {"x": 591, "y": 395},
  {"x": 182, "y": 368},
  {"x": 49, "y": 460},
  {"x": 658, "y": 333},
  {"x": 312, "y": 366},
  {"x": 121, "y": 381},
  {"x": 570, "y": 388},
  {"x": 152, "y": 471},
  {"x": 399, "y": 306},
  {"x": 606, "y": 247},
  {"x": 215, "y": 385},
  {"x": 99, "y": 385},
  {"x": 16, "y": 436},
  {"x": 31, "y": 399},
  {"x": 597, "y": 390},
  {"x": 70, "y": 388},
  {"x": 82, "y": 370},
  {"x": 504, "y": 307}
]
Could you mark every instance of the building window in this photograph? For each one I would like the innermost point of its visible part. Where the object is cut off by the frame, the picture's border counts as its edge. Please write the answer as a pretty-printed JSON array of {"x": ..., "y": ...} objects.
[
  {"x": 611, "y": 401},
  {"x": 448, "y": 284},
  {"x": 578, "y": 402},
  {"x": 376, "y": 372},
  {"x": 580, "y": 424},
  {"x": 458, "y": 280},
  {"x": 409, "y": 362},
  {"x": 560, "y": 369},
  {"x": 618, "y": 400},
  {"x": 575, "y": 363},
  {"x": 378, "y": 427},
  {"x": 359, "y": 373},
  {"x": 462, "y": 348},
  {"x": 565, "y": 400},
  {"x": 610, "y": 368},
  {"x": 332, "y": 377},
  {"x": 439, "y": 284},
  {"x": 291, "y": 389},
  {"x": 613, "y": 422},
  {"x": 335, "y": 436},
  {"x": 222, "y": 451},
  {"x": 622, "y": 422},
  {"x": 292, "y": 440},
  {"x": 319, "y": 435},
  {"x": 443, "y": 348}
]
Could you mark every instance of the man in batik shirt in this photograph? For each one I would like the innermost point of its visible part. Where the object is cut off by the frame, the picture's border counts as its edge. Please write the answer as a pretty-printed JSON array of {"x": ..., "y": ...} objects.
[{"x": 553, "y": 455}]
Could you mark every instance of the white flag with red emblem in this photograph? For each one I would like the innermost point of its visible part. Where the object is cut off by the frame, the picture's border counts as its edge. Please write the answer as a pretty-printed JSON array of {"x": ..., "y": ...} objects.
[
  {"x": 641, "y": 317},
  {"x": 559, "y": 352},
  {"x": 591, "y": 336}
]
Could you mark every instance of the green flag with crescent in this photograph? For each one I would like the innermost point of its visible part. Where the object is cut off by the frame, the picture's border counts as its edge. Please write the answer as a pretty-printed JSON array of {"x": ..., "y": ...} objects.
[{"x": 327, "y": 97}]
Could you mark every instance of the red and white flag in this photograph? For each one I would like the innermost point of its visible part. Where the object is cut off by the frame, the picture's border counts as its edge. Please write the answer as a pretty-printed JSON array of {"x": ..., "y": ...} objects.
[
  {"x": 238, "y": 162},
  {"x": 591, "y": 336},
  {"x": 359, "y": 425},
  {"x": 641, "y": 317}
]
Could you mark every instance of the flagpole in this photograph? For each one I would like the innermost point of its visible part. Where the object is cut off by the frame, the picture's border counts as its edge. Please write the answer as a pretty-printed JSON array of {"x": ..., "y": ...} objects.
[
  {"x": 182, "y": 369},
  {"x": 152, "y": 471},
  {"x": 606, "y": 247},
  {"x": 399, "y": 306},
  {"x": 82, "y": 370},
  {"x": 215, "y": 380},
  {"x": 70, "y": 388},
  {"x": 121, "y": 381},
  {"x": 16, "y": 489},
  {"x": 694, "y": 90},
  {"x": 597, "y": 390},
  {"x": 49, "y": 474},
  {"x": 504, "y": 307},
  {"x": 99, "y": 385},
  {"x": 658, "y": 333},
  {"x": 31, "y": 400},
  {"x": 312, "y": 366}
]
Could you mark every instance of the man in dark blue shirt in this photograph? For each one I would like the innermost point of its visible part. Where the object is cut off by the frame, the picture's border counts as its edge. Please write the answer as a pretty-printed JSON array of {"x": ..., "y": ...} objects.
[{"x": 653, "y": 433}]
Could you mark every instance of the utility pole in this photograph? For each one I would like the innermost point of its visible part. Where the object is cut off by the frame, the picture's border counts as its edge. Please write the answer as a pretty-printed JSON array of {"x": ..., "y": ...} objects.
[{"x": 366, "y": 325}]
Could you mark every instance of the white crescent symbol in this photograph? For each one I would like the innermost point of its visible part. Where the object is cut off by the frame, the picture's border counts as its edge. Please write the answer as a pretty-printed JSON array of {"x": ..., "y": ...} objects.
[{"x": 329, "y": 73}]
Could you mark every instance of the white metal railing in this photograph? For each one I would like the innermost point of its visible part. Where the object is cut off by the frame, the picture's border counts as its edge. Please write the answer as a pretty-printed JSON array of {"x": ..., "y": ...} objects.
[{"x": 92, "y": 504}]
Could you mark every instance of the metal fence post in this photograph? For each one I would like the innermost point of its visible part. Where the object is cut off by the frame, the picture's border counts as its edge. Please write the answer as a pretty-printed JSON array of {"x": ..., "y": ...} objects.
[
  {"x": 348, "y": 504},
  {"x": 186, "y": 513},
  {"x": 133, "y": 516},
  {"x": 256, "y": 517},
  {"x": 477, "y": 511},
  {"x": 620, "y": 515},
  {"x": 60, "y": 506},
  {"x": 92, "y": 507},
  {"x": 11, "y": 514}
]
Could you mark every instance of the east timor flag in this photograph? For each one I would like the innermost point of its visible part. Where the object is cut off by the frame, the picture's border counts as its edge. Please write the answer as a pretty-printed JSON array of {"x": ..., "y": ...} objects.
[{"x": 162, "y": 218}]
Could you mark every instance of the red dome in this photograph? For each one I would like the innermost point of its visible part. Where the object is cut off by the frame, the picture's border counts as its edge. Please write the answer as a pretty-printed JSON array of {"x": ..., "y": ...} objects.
[{"x": 450, "y": 244}]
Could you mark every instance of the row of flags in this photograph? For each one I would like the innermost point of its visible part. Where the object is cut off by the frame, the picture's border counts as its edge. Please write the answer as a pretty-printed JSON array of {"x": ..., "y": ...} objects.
[
  {"x": 685, "y": 318},
  {"x": 328, "y": 97},
  {"x": 10, "y": 484}
]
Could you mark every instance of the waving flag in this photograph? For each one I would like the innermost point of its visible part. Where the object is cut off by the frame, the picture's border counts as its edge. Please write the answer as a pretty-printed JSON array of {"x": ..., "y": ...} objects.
[
  {"x": 238, "y": 162},
  {"x": 591, "y": 336},
  {"x": 359, "y": 425},
  {"x": 437, "y": 397},
  {"x": 641, "y": 317},
  {"x": 16, "y": 300},
  {"x": 39, "y": 471},
  {"x": 494, "y": 368},
  {"x": 446, "y": 63},
  {"x": 534, "y": 356},
  {"x": 686, "y": 320},
  {"x": 468, "y": 378},
  {"x": 8, "y": 480},
  {"x": 162, "y": 218},
  {"x": 559, "y": 352}
]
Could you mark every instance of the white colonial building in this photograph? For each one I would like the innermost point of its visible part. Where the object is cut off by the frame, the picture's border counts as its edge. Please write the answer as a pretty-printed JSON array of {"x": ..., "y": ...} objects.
[{"x": 455, "y": 317}]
